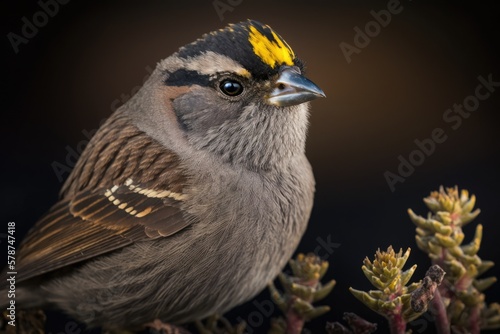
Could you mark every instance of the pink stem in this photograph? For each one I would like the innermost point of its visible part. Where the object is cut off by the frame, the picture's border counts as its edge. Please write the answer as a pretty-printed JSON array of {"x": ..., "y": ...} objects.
[
  {"x": 397, "y": 324},
  {"x": 438, "y": 310},
  {"x": 294, "y": 322},
  {"x": 474, "y": 322}
]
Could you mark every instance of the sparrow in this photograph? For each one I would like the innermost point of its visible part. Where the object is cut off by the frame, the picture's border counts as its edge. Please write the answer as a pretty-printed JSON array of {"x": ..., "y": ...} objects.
[{"x": 190, "y": 198}]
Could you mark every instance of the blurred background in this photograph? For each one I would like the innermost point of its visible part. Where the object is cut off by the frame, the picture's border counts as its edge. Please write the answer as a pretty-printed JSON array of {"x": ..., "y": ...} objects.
[{"x": 382, "y": 95}]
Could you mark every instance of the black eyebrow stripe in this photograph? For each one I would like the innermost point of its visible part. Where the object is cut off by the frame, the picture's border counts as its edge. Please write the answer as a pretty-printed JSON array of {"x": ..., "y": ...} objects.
[{"x": 184, "y": 77}]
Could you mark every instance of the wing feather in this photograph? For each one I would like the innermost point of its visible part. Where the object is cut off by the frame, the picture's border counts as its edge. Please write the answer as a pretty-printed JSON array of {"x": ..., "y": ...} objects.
[{"x": 108, "y": 202}]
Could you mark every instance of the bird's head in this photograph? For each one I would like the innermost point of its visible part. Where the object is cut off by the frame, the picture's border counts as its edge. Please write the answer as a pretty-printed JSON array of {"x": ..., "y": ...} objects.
[{"x": 240, "y": 93}]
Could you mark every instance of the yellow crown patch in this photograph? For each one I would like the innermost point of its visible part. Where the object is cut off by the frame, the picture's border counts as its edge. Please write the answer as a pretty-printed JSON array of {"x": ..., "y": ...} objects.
[{"x": 272, "y": 52}]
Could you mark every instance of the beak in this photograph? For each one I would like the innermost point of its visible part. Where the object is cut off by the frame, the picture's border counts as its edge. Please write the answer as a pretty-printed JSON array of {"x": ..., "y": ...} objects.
[{"x": 292, "y": 88}]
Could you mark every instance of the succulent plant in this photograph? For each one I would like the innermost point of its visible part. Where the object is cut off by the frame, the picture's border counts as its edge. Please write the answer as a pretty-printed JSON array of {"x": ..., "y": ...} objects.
[
  {"x": 440, "y": 235},
  {"x": 301, "y": 290},
  {"x": 217, "y": 324},
  {"x": 356, "y": 324},
  {"x": 393, "y": 299}
]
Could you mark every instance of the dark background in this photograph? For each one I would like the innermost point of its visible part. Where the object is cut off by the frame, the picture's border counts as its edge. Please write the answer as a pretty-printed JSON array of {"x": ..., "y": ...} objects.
[{"x": 90, "y": 56}]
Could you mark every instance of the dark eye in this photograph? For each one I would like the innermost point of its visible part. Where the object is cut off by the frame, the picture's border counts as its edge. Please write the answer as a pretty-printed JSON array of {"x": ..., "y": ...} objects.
[{"x": 231, "y": 87}]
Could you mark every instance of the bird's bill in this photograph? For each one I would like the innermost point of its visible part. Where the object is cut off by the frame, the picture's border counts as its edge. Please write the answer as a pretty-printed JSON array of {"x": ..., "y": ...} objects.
[{"x": 292, "y": 88}]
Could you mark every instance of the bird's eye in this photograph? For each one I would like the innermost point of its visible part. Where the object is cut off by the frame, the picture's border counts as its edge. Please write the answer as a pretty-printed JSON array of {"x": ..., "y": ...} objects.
[{"x": 231, "y": 87}]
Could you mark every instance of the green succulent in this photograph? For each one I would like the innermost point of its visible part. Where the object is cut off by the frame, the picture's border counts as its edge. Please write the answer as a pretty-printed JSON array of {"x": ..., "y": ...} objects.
[
  {"x": 440, "y": 235},
  {"x": 393, "y": 297},
  {"x": 301, "y": 290}
]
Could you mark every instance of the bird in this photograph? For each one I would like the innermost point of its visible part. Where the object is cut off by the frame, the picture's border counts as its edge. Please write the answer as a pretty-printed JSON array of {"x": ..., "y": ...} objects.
[{"x": 190, "y": 198}]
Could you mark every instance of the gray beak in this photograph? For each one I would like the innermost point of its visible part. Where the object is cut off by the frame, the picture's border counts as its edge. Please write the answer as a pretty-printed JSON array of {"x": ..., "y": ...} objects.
[{"x": 292, "y": 88}]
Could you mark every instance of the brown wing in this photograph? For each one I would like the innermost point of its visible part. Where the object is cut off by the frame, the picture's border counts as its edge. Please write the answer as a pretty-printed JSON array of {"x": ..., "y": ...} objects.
[
  {"x": 125, "y": 188},
  {"x": 94, "y": 223}
]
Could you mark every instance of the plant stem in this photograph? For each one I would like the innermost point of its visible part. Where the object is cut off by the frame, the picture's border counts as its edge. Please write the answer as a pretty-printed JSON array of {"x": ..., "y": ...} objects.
[
  {"x": 439, "y": 312},
  {"x": 475, "y": 326},
  {"x": 397, "y": 324},
  {"x": 294, "y": 322}
]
